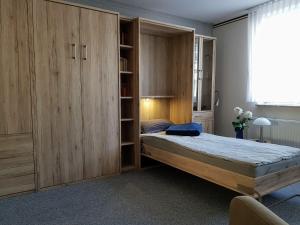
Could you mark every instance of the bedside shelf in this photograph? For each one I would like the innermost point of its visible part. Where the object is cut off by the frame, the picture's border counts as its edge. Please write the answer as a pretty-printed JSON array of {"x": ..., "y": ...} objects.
[
  {"x": 126, "y": 119},
  {"x": 126, "y": 143},
  {"x": 159, "y": 96},
  {"x": 127, "y": 97},
  {"x": 126, "y": 72},
  {"x": 126, "y": 46}
]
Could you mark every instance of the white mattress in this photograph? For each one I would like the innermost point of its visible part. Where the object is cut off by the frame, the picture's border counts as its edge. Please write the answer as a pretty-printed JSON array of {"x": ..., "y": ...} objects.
[{"x": 231, "y": 149}]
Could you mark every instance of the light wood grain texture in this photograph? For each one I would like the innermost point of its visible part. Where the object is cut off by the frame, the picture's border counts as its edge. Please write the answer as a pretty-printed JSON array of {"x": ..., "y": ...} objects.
[
  {"x": 166, "y": 69},
  {"x": 100, "y": 94},
  {"x": 155, "y": 71},
  {"x": 136, "y": 92},
  {"x": 214, "y": 174},
  {"x": 157, "y": 97},
  {"x": 155, "y": 109},
  {"x": 274, "y": 181},
  {"x": 16, "y": 164},
  {"x": 256, "y": 187},
  {"x": 181, "y": 60},
  {"x": 58, "y": 94},
  {"x": 206, "y": 119},
  {"x": 32, "y": 84},
  {"x": 162, "y": 29},
  {"x": 15, "y": 45},
  {"x": 83, "y": 6},
  {"x": 130, "y": 154}
]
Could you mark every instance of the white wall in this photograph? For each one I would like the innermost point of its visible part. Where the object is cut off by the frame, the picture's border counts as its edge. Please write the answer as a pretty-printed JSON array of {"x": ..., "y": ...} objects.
[
  {"x": 232, "y": 76},
  {"x": 125, "y": 10}
]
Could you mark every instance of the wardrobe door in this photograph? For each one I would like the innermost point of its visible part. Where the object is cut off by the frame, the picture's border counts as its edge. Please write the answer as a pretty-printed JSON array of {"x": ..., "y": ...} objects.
[
  {"x": 15, "y": 45},
  {"x": 58, "y": 131},
  {"x": 100, "y": 95}
]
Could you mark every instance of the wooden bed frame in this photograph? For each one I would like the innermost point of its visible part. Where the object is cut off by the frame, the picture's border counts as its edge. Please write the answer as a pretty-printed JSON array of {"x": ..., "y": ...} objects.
[{"x": 255, "y": 187}]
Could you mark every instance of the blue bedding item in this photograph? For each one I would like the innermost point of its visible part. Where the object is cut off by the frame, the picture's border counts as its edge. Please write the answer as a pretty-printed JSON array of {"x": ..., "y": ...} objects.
[{"x": 188, "y": 129}]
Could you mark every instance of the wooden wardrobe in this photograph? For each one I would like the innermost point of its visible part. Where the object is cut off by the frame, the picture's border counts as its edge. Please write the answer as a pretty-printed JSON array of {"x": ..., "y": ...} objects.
[
  {"x": 59, "y": 94},
  {"x": 76, "y": 112},
  {"x": 16, "y": 68},
  {"x": 67, "y": 111}
]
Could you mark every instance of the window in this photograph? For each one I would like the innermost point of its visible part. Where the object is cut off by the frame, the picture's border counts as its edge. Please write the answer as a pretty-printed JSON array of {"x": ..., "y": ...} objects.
[{"x": 274, "y": 53}]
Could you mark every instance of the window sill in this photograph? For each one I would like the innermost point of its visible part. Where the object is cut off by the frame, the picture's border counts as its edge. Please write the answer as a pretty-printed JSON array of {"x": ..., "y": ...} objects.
[{"x": 277, "y": 104}]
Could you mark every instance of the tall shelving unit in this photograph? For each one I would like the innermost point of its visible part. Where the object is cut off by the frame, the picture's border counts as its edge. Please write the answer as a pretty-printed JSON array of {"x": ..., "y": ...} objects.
[{"x": 129, "y": 94}]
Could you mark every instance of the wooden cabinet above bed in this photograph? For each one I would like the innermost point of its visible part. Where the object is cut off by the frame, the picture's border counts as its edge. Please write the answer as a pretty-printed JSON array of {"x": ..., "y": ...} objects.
[{"x": 166, "y": 62}]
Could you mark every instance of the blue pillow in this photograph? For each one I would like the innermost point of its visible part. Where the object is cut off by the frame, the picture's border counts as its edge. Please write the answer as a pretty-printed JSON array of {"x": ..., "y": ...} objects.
[{"x": 188, "y": 129}]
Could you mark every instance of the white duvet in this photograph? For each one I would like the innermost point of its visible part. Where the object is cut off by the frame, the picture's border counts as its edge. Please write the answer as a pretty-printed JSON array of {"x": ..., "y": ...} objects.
[{"x": 232, "y": 149}]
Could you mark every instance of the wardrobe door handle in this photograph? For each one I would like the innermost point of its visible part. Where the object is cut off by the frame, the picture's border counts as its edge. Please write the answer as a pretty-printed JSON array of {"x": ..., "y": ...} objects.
[
  {"x": 84, "y": 52},
  {"x": 73, "y": 51}
]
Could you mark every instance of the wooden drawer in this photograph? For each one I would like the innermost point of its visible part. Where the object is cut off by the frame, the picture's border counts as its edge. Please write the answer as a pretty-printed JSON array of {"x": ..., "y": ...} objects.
[
  {"x": 16, "y": 164},
  {"x": 206, "y": 119}
]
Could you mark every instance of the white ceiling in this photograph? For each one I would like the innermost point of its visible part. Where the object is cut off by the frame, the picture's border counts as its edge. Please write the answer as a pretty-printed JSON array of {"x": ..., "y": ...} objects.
[{"x": 210, "y": 11}]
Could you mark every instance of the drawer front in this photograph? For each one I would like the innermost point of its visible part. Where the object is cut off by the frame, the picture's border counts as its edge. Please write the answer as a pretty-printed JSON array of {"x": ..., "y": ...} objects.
[
  {"x": 209, "y": 126},
  {"x": 16, "y": 164},
  {"x": 207, "y": 123}
]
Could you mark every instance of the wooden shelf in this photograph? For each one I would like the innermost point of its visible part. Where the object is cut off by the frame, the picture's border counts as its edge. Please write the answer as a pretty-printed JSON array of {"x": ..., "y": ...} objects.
[
  {"x": 126, "y": 72},
  {"x": 129, "y": 95},
  {"x": 126, "y": 119},
  {"x": 126, "y": 97},
  {"x": 160, "y": 96},
  {"x": 127, "y": 143},
  {"x": 126, "y": 46}
]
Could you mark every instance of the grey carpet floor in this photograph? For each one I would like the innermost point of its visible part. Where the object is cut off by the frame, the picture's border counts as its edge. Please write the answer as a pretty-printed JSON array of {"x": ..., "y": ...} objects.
[{"x": 159, "y": 196}]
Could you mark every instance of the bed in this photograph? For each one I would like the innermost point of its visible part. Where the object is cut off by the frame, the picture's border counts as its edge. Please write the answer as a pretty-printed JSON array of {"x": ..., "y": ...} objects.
[{"x": 245, "y": 166}]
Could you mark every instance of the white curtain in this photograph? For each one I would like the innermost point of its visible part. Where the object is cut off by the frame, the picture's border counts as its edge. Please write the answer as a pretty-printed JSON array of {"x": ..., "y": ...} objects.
[{"x": 274, "y": 53}]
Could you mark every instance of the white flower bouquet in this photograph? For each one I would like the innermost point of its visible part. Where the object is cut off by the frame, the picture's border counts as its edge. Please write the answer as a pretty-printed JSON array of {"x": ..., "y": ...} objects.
[{"x": 242, "y": 121}]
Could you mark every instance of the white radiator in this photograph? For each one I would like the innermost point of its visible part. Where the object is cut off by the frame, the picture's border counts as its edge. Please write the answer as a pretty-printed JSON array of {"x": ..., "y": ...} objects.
[{"x": 284, "y": 132}]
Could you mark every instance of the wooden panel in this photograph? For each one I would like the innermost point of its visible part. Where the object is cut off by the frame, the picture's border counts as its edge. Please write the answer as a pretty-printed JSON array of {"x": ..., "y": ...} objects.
[
  {"x": 207, "y": 124},
  {"x": 16, "y": 164},
  {"x": 155, "y": 109},
  {"x": 225, "y": 178},
  {"x": 206, "y": 119},
  {"x": 100, "y": 94},
  {"x": 130, "y": 130},
  {"x": 84, "y": 6},
  {"x": 272, "y": 182},
  {"x": 58, "y": 134},
  {"x": 164, "y": 29},
  {"x": 181, "y": 59},
  {"x": 154, "y": 67},
  {"x": 15, "y": 103},
  {"x": 256, "y": 187},
  {"x": 136, "y": 89}
]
